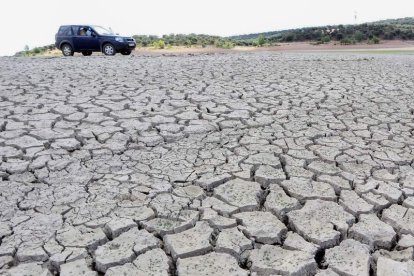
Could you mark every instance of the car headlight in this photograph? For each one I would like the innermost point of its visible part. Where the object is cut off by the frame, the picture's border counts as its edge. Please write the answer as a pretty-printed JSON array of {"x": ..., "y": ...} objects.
[{"x": 119, "y": 39}]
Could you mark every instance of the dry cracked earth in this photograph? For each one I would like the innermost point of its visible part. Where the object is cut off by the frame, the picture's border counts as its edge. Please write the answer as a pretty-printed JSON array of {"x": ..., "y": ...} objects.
[{"x": 225, "y": 164}]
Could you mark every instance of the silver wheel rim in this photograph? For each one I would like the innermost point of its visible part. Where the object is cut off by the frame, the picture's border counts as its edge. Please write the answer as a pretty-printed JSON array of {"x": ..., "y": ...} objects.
[
  {"x": 109, "y": 50},
  {"x": 66, "y": 50}
]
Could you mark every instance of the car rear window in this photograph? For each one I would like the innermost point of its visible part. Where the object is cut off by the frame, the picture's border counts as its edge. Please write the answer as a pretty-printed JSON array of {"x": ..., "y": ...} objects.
[{"x": 65, "y": 31}]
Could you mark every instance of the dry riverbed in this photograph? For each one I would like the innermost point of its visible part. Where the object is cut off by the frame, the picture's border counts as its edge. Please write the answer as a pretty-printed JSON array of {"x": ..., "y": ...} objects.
[{"x": 249, "y": 163}]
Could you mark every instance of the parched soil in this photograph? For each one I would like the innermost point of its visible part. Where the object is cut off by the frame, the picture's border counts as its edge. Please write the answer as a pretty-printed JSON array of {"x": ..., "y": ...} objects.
[{"x": 253, "y": 163}]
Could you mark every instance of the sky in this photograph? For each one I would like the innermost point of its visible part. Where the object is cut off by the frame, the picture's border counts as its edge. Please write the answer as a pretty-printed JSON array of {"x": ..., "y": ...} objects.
[{"x": 35, "y": 23}]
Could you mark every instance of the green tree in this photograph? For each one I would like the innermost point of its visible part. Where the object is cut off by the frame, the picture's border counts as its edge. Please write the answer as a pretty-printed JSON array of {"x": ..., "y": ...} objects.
[
  {"x": 359, "y": 36},
  {"x": 261, "y": 40}
]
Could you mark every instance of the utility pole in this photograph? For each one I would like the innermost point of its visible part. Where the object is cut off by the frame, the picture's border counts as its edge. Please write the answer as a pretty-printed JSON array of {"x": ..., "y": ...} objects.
[{"x": 355, "y": 17}]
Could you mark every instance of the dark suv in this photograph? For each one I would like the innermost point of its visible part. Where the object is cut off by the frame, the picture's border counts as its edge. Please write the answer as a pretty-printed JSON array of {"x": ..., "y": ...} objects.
[{"x": 89, "y": 38}]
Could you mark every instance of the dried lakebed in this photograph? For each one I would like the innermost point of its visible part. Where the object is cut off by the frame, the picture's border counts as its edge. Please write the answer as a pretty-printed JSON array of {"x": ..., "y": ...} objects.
[{"x": 224, "y": 164}]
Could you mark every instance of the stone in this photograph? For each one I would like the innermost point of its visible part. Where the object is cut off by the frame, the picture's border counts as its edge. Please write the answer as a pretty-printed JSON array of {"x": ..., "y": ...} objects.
[
  {"x": 295, "y": 242},
  {"x": 124, "y": 248},
  {"x": 81, "y": 237},
  {"x": 28, "y": 269},
  {"x": 399, "y": 217},
  {"x": 273, "y": 260},
  {"x": 232, "y": 241},
  {"x": 373, "y": 232},
  {"x": 239, "y": 193},
  {"x": 266, "y": 174},
  {"x": 279, "y": 203},
  {"x": 349, "y": 258},
  {"x": 387, "y": 267},
  {"x": 321, "y": 222},
  {"x": 263, "y": 227},
  {"x": 304, "y": 189},
  {"x": 210, "y": 264},
  {"x": 354, "y": 204},
  {"x": 77, "y": 268},
  {"x": 189, "y": 243}
]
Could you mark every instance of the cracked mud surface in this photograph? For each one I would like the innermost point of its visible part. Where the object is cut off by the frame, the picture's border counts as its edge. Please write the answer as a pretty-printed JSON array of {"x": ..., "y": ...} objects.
[{"x": 227, "y": 164}]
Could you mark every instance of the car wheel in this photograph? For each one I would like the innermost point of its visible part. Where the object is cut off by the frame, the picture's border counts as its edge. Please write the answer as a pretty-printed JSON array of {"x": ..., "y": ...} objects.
[
  {"x": 87, "y": 53},
  {"x": 108, "y": 49},
  {"x": 126, "y": 52},
  {"x": 67, "y": 50}
]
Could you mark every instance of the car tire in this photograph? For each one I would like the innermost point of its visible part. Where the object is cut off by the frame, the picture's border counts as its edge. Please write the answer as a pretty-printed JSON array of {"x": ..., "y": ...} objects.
[
  {"x": 108, "y": 49},
  {"x": 126, "y": 52},
  {"x": 87, "y": 53},
  {"x": 67, "y": 50}
]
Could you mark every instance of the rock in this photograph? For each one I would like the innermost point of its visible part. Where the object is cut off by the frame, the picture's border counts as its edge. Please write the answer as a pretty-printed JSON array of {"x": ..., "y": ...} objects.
[
  {"x": 321, "y": 222},
  {"x": 81, "y": 237},
  {"x": 117, "y": 226},
  {"x": 124, "y": 248},
  {"x": 304, "y": 189},
  {"x": 192, "y": 242},
  {"x": 400, "y": 256},
  {"x": 387, "y": 267},
  {"x": 28, "y": 269},
  {"x": 373, "y": 232},
  {"x": 327, "y": 272},
  {"x": 137, "y": 214},
  {"x": 270, "y": 260},
  {"x": 405, "y": 242},
  {"x": 354, "y": 204},
  {"x": 77, "y": 268},
  {"x": 210, "y": 181},
  {"x": 153, "y": 263},
  {"x": 233, "y": 242},
  {"x": 323, "y": 168},
  {"x": 338, "y": 183},
  {"x": 263, "y": 159},
  {"x": 239, "y": 193},
  {"x": 266, "y": 174},
  {"x": 191, "y": 192},
  {"x": 168, "y": 205},
  {"x": 349, "y": 258},
  {"x": 210, "y": 264},
  {"x": 400, "y": 218},
  {"x": 263, "y": 227},
  {"x": 279, "y": 203},
  {"x": 295, "y": 242}
]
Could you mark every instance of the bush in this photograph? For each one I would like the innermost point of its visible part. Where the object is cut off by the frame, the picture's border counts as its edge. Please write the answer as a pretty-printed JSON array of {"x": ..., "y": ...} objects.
[
  {"x": 375, "y": 40},
  {"x": 261, "y": 40},
  {"x": 225, "y": 44},
  {"x": 326, "y": 39},
  {"x": 347, "y": 41},
  {"x": 359, "y": 36},
  {"x": 160, "y": 44},
  {"x": 36, "y": 50}
]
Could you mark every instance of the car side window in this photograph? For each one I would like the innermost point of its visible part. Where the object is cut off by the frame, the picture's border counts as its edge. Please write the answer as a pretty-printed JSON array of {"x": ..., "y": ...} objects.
[
  {"x": 85, "y": 31},
  {"x": 65, "y": 31}
]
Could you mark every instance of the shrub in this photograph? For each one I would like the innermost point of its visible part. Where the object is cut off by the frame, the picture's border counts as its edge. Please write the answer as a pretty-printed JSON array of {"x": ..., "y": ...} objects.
[
  {"x": 225, "y": 44},
  {"x": 347, "y": 41},
  {"x": 261, "y": 40},
  {"x": 36, "y": 50},
  {"x": 326, "y": 39},
  {"x": 359, "y": 36},
  {"x": 160, "y": 44}
]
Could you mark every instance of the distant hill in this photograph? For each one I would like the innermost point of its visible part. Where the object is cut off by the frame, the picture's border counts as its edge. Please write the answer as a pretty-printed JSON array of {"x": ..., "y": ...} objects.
[
  {"x": 372, "y": 32},
  {"x": 402, "y": 28}
]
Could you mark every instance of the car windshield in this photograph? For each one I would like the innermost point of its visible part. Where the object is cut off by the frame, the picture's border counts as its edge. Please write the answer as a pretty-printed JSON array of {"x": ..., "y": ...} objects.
[{"x": 103, "y": 31}]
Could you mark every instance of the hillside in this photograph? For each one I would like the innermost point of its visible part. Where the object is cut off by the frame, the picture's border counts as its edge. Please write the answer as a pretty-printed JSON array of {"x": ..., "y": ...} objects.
[
  {"x": 372, "y": 33},
  {"x": 402, "y": 28}
]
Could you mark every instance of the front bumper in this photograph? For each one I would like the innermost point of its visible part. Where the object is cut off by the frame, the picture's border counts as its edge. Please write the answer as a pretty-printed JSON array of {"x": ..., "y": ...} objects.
[{"x": 127, "y": 45}]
